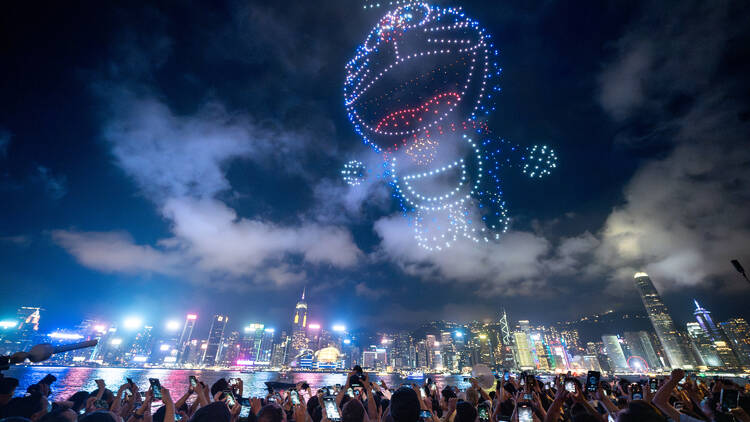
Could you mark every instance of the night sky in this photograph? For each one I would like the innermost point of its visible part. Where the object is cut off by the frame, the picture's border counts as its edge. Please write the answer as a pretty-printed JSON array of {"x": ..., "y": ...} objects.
[{"x": 186, "y": 156}]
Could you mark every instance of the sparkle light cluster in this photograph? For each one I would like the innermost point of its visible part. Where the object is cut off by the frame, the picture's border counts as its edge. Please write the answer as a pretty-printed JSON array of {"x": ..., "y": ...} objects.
[
  {"x": 354, "y": 173},
  {"x": 539, "y": 161}
]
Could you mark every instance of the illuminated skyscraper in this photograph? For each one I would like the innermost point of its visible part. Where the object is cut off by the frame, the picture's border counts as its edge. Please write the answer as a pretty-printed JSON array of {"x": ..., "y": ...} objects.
[
  {"x": 299, "y": 328},
  {"x": 215, "y": 338},
  {"x": 723, "y": 346},
  {"x": 612, "y": 348},
  {"x": 28, "y": 326},
  {"x": 187, "y": 333},
  {"x": 737, "y": 331},
  {"x": 662, "y": 322},
  {"x": 703, "y": 346},
  {"x": 639, "y": 344},
  {"x": 522, "y": 350}
]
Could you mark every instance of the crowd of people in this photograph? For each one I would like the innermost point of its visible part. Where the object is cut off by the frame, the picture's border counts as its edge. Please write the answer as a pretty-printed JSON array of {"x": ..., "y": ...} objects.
[{"x": 520, "y": 398}]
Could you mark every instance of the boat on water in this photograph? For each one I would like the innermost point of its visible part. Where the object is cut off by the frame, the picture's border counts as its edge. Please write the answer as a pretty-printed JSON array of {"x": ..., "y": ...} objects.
[{"x": 415, "y": 375}]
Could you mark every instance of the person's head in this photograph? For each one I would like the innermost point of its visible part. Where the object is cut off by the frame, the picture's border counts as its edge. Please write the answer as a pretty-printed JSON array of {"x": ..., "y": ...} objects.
[
  {"x": 640, "y": 411},
  {"x": 448, "y": 393},
  {"x": 405, "y": 405},
  {"x": 214, "y": 412},
  {"x": 271, "y": 413},
  {"x": 26, "y": 407},
  {"x": 8, "y": 385},
  {"x": 100, "y": 416},
  {"x": 219, "y": 385},
  {"x": 465, "y": 412},
  {"x": 60, "y": 415},
  {"x": 472, "y": 396},
  {"x": 158, "y": 416},
  {"x": 353, "y": 411},
  {"x": 79, "y": 400}
]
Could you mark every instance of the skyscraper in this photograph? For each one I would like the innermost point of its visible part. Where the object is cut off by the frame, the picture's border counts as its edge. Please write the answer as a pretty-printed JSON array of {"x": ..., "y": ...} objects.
[
  {"x": 215, "y": 339},
  {"x": 299, "y": 328},
  {"x": 522, "y": 350},
  {"x": 640, "y": 345},
  {"x": 187, "y": 333},
  {"x": 614, "y": 352},
  {"x": 723, "y": 346},
  {"x": 737, "y": 331},
  {"x": 28, "y": 325},
  {"x": 662, "y": 322},
  {"x": 703, "y": 346}
]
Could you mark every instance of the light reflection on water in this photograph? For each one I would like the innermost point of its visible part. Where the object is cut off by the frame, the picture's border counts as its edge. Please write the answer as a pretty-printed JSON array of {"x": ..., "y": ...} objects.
[{"x": 70, "y": 380}]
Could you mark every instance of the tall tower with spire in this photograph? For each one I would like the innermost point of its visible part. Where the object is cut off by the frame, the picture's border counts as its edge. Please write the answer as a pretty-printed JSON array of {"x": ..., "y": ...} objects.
[
  {"x": 717, "y": 336},
  {"x": 299, "y": 327}
]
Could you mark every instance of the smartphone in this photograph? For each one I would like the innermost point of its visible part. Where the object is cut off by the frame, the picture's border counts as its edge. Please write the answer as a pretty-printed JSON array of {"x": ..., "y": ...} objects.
[
  {"x": 295, "y": 397},
  {"x": 570, "y": 385},
  {"x": 729, "y": 399},
  {"x": 232, "y": 382},
  {"x": 101, "y": 404},
  {"x": 527, "y": 396},
  {"x": 82, "y": 411},
  {"x": 592, "y": 381},
  {"x": 245, "y": 411},
  {"x": 231, "y": 401},
  {"x": 653, "y": 384},
  {"x": 636, "y": 391},
  {"x": 525, "y": 414},
  {"x": 530, "y": 380},
  {"x": 506, "y": 375},
  {"x": 425, "y": 414},
  {"x": 350, "y": 392},
  {"x": 271, "y": 399},
  {"x": 484, "y": 413},
  {"x": 332, "y": 411},
  {"x": 155, "y": 388},
  {"x": 193, "y": 381}
]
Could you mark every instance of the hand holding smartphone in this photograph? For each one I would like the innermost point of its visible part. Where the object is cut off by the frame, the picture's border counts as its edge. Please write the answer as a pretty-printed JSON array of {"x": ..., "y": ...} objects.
[{"x": 155, "y": 388}]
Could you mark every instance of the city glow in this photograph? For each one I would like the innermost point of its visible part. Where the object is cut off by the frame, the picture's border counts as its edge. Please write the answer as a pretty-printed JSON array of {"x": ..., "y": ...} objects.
[
  {"x": 459, "y": 334},
  {"x": 313, "y": 326},
  {"x": 253, "y": 327},
  {"x": 270, "y": 330},
  {"x": 339, "y": 328},
  {"x": 192, "y": 317},
  {"x": 140, "y": 359},
  {"x": 133, "y": 323},
  {"x": 8, "y": 324},
  {"x": 100, "y": 328},
  {"x": 347, "y": 341},
  {"x": 116, "y": 341},
  {"x": 164, "y": 347},
  {"x": 65, "y": 336},
  {"x": 173, "y": 325}
]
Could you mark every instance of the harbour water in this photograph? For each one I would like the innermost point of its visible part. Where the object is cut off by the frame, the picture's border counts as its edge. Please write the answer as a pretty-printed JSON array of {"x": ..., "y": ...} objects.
[{"x": 72, "y": 379}]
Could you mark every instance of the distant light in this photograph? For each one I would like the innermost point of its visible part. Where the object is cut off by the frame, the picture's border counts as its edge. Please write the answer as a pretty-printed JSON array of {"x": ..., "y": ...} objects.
[
  {"x": 245, "y": 362},
  {"x": 8, "y": 324},
  {"x": 253, "y": 327},
  {"x": 79, "y": 358},
  {"x": 65, "y": 336},
  {"x": 173, "y": 325},
  {"x": 204, "y": 346},
  {"x": 640, "y": 275},
  {"x": 132, "y": 323},
  {"x": 347, "y": 341},
  {"x": 483, "y": 336},
  {"x": 164, "y": 347},
  {"x": 170, "y": 359},
  {"x": 459, "y": 334},
  {"x": 116, "y": 341},
  {"x": 313, "y": 326},
  {"x": 379, "y": 350},
  {"x": 100, "y": 328},
  {"x": 140, "y": 358},
  {"x": 339, "y": 328},
  {"x": 436, "y": 344},
  {"x": 384, "y": 341},
  {"x": 192, "y": 317},
  {"x": 270, "y": 330}
]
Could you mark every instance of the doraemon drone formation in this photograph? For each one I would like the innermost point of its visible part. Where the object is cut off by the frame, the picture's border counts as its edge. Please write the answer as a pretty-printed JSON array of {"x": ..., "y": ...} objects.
[{"x": 418, "y": 91}]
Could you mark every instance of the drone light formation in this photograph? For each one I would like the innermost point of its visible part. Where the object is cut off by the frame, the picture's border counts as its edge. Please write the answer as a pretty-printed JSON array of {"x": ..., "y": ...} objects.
[{"x": 418, "y": 91}]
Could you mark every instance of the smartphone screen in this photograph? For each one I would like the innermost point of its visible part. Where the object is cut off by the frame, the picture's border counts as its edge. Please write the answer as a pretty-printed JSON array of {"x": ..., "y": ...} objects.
[
  {"x": 570, "y": 386},
  {"x": 230, "y": 398},
  {"x": 636, "y": 391},
  {"x": 155, "y": 388},
  {"x": 245, "y": 411},
  {"x": 729, "y": 399},
  {"x": 653, "y": 384},
  {"x": 193, "y": 381},
  {"x": 295, "y": 397},
  {"x": 425, "y": 414},
  {"x": 506, "y": 376},
  {"x": 592, "y": 381},
  {"x": 331, "y": 409},
  {"x": 525, "y": 413},
  {"x": 484, "y": 413}
]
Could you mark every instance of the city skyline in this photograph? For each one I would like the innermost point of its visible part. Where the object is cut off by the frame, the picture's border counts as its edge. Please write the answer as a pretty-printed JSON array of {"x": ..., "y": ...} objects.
[
  {"x": 437, "y": 346},
  {"x": 158, "y": 160}
]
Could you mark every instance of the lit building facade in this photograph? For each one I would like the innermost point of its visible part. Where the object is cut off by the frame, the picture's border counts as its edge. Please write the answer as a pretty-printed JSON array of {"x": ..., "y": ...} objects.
[{"x": 215, "y": 339}]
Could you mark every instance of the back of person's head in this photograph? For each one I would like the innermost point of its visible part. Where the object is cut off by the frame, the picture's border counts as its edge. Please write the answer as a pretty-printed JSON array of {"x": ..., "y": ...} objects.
[
  {"x": 61, "y": 414},
  {"x": 158, "y": 416},
  {"x": 465, "y": 412},
  {"x": 405, "y": 405},
  {"x": 98, "y": 416},
  {"x": 270, "y": 413},
  {"x": 220, "y": 385},
  {"x": 79, "y": 400},
  {"x": 448, "y": 393},
  {"x": 353, "y": 411},
  {"x": 472, "y": 396},
  {"x": 8, "y": 385},
  {"x": 640, "y": 411},
  {"x": 23, "y": 406},
  {"x": 213, "y": 412}
]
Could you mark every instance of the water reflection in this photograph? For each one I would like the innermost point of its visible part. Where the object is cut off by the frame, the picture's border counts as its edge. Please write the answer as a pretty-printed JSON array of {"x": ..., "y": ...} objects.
[{"x": 70, "y": 380}]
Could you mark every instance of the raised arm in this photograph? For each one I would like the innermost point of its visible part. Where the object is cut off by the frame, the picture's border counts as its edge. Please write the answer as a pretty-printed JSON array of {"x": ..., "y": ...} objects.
[{"x": 661, "y": 398}]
